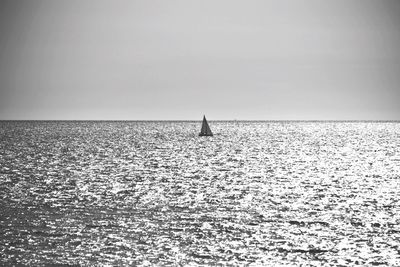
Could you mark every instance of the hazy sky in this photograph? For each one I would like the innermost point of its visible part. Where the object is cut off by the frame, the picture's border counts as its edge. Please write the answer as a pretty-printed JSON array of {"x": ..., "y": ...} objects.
[{"x": 297, "y": 59}]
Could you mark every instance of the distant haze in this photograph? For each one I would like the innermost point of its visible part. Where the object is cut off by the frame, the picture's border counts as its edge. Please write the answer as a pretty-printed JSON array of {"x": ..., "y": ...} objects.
[{"x": 178, "y": 60}]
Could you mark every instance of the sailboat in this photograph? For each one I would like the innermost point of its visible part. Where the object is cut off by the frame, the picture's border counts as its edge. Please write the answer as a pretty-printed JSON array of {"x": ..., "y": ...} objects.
[{"x": 205, "y": 129}]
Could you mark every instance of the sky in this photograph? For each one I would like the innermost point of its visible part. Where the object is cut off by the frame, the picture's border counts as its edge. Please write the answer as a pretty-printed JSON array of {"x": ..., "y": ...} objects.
[{"x": 180, "y": 59}]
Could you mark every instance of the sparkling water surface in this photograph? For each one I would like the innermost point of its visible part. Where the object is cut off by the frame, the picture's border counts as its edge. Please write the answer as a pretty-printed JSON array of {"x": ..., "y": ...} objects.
[{"x": 154, "y": 193}]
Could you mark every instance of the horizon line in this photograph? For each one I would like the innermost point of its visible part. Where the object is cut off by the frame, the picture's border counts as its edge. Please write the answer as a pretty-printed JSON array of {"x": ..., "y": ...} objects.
[{"x": 191, "y": 120}]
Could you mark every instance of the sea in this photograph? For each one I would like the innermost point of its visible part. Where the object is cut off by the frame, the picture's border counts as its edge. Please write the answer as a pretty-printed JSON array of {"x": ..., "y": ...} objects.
[{"x": 154, "y": 193}]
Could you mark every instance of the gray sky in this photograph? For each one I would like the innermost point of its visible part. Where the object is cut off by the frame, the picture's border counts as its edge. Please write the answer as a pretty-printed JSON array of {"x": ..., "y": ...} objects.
[{"x": 297, "y": 59}]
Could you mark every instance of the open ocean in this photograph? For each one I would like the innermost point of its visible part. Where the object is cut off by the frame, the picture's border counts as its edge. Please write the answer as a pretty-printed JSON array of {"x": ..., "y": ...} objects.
[{"x": 154, "y": 193}]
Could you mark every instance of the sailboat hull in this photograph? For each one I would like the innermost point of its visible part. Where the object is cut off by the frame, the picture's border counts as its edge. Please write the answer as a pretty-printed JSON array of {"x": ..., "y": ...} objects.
[{"x": 205, "y": 134}]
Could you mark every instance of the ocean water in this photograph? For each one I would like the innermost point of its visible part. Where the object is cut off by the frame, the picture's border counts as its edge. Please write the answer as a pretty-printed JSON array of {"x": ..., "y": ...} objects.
[{"x": 154, "y": 193}]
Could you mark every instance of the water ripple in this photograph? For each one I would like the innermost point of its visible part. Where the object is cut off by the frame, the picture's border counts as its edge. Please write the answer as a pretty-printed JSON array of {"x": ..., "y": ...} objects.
[{"x": 154, "y": 193}]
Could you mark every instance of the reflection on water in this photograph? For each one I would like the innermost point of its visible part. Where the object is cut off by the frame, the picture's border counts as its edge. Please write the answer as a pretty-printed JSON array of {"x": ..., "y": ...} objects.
[{"x": 121, "y": 193}]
